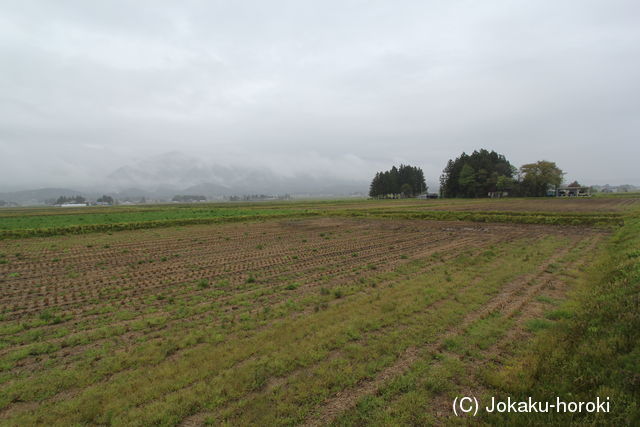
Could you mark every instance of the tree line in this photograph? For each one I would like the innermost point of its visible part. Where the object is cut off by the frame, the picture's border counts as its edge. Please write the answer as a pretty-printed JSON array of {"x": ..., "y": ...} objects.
[
  {"x": 406, "y": 181},
  {"x": 62, "y": 200},
  {"x": 74, "y": 199},
  {"x": 485, "y": 172},
  {"x": 482, "y": 173}
]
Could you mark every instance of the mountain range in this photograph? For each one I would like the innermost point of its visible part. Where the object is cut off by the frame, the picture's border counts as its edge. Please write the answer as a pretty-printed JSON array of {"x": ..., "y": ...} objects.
[{"x": 161, "y": 177}]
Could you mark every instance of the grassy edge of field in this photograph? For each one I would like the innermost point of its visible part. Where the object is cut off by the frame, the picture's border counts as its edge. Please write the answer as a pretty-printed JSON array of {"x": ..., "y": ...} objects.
[{"x": 593, "y": 352}]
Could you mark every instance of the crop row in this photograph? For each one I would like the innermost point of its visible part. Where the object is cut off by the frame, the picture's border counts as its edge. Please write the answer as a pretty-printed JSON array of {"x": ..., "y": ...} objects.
[
  {"x": 122, "y": 226},
  {"x": 217, "y": 373},
  {"x": 583, "y": 219}
]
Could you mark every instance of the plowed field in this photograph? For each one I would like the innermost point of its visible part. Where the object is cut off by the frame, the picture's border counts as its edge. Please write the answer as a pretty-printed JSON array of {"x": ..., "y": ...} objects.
[
  {"x": 286, "y": 321},
  {"x": 543, "y": 204}
]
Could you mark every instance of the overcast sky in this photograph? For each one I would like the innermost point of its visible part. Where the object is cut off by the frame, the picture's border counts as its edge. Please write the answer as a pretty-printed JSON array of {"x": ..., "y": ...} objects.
[{"x": 337, "y": 87}]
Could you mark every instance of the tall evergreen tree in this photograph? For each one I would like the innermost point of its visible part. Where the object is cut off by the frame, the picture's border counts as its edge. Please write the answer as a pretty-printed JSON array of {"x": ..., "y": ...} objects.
[
  {"x": 405, "y": 180},
  {"x": 475, "y": 175}
]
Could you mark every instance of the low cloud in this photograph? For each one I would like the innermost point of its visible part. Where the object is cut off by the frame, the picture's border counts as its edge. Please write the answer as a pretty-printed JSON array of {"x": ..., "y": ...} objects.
[{"x": 337, "y": 89}]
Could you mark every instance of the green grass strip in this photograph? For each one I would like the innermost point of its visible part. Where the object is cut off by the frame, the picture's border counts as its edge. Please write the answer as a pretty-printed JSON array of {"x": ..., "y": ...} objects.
[
  {"x": 122, "y": 226},
  {"x": 594, "y": 347}
]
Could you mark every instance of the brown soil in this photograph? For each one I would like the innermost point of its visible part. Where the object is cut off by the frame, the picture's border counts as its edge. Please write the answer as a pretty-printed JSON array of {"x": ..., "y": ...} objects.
[{"x": 85, "y": 281}]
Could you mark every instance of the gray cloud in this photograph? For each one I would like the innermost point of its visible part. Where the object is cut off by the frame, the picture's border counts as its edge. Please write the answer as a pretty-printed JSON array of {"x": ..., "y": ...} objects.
[{"x": 342, "y": 88}]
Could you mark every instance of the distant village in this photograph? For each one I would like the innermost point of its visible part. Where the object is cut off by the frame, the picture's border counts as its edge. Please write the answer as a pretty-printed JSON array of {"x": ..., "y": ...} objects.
[
  {"x": 106, "y": 200},
  {"x": 570, "y": 190}
]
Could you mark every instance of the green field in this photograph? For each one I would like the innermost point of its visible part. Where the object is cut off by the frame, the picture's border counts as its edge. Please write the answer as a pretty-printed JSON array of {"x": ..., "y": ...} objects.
[
  {"x": 24, "y": 222},
  {"x": 355, "y": 312},
  {"x": 94, "y": 216}
]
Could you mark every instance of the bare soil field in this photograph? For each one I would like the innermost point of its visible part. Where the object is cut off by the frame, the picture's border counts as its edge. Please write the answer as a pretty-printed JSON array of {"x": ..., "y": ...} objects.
[
  {"x": 544, "y": 204},
  {"x": 284, "y": 321},
  {"x": 550, "y": 204}
]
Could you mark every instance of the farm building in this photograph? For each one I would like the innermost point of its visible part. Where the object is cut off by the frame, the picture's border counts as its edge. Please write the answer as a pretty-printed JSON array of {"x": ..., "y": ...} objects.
[
  {"x": 497, "y": 194},
  {"x": 573, "y": 191},
  {"x": 72, "y": 205},
  {"x": 427, "y": 196}
]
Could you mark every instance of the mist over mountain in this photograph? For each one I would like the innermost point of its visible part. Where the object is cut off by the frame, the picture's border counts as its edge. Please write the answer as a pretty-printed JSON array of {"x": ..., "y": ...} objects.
[
  {"x": 37, "y": 196},
  {"x": 163, "y": 176},
  {"x": 175, "y": 171},
  {"x": 311, "y": 96}
]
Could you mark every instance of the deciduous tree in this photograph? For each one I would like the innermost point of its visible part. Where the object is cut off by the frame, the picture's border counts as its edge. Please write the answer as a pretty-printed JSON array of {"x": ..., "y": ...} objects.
[{"x": 536, "y": 178}]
